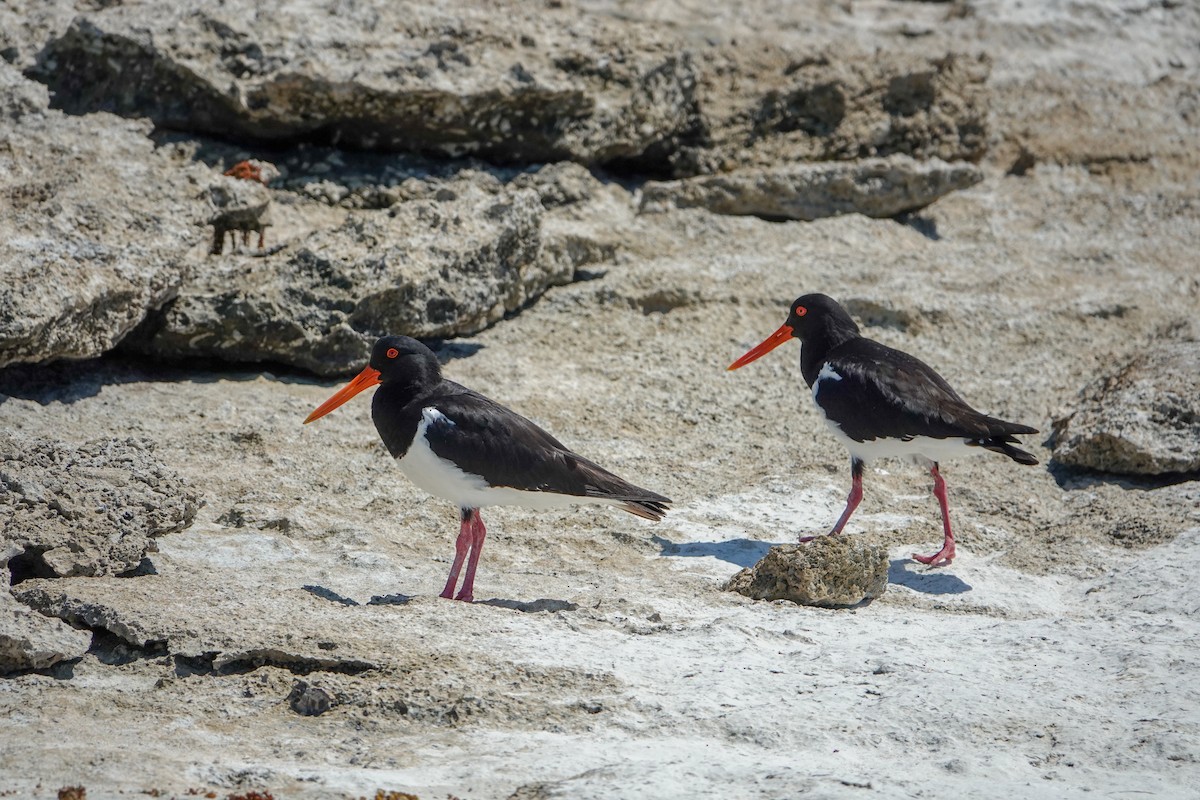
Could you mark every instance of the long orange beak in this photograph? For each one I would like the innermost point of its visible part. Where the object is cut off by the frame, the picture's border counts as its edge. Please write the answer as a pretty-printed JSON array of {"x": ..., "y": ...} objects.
[
  {"x": 364, "y": 380},
  {"x": 770, "y": 343}
]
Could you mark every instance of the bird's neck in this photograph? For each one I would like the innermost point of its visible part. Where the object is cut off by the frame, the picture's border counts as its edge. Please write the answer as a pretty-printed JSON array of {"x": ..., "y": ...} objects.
[
  {"x": 818, "y": 344},
  {"x": 395, "y": 428}
]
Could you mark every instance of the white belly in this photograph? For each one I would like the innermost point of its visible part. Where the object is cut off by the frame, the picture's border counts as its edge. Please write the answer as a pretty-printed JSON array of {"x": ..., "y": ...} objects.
[
  {"x": 925, "y": 450},
  {"x": 442, "y": 478}
]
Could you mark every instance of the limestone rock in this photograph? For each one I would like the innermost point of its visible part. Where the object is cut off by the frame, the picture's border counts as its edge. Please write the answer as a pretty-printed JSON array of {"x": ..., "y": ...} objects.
[
  {"x": 26, "y": 25},
  {"x": 829, "y": 571},
  {"x": 877, "y": 187},
  {"x": 424, "y": 268},
  {"x": 94, "y": 222},
  {"x": 512, "y": 83},
  {"x": 773, "y": 107},
  {"x": 29, "y": 640},
  {"x": 1144, "y": 419},
  {"x": 20, "y": 96},
  {"x": 89, "y": 509},
  {"x": 451, "y": 80}
]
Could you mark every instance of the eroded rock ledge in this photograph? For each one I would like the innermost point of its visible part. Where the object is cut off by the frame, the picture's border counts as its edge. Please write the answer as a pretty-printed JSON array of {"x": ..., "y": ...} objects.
[{"x": 76, "y": 510}]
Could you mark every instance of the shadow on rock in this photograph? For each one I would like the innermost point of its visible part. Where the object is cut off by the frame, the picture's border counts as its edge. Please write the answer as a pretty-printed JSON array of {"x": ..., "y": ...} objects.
[
  {"x": 448, "y": 351},
  {"x": 926, "y": 226},
  {"x": 903, "y": 572},
  {"x": 1072, "y": 478},
  {"x": 71, "y": 381},
  {"x": 741, "y": 552}
]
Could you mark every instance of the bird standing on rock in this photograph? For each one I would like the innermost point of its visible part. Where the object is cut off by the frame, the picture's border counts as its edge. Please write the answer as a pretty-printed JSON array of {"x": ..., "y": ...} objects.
[
  {"x": 459, "y": 445},
  {"x": 880, "y": 402}
]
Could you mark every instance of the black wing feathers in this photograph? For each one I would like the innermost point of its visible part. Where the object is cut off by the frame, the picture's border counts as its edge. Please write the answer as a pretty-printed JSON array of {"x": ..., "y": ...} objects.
[
  {"x": 886, "y": 393},
  {"x": 484, "y": 438}
]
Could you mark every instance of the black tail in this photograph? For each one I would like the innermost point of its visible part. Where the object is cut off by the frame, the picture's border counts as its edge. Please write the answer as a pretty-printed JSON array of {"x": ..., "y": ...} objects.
[
  {"x": 1004, "y": 444},
  {"x": 634, "y": 499},
  {"x": 652, "y": 510}
]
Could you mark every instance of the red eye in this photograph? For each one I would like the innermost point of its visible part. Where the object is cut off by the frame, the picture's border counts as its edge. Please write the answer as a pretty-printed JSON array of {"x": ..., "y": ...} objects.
[
  {"x": 801, "y": 311},
  {"x": 392, "y": 352}
]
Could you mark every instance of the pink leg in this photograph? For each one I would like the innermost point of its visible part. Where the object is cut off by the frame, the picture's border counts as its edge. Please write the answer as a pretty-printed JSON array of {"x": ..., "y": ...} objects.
[
  {"x": 944, "y": 556},
  {"x": 856, "y": 471},
  {"x": 478, "y": 532},
  {"x": 262, "y": 237},
  {"x": 461, "y": 546},
  {"x": 856, "y": 494}
]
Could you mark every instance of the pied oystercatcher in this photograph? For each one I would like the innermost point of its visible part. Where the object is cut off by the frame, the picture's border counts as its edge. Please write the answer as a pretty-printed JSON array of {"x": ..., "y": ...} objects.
[
  {"x": 880, "y": 402},
  {"x": 459, "y": 445}
]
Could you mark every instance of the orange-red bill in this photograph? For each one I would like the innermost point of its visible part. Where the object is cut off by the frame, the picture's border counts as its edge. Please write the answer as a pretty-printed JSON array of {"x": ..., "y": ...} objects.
[
  {"x": 770, "y": 343},
  {"x": 364, "y": 380}
]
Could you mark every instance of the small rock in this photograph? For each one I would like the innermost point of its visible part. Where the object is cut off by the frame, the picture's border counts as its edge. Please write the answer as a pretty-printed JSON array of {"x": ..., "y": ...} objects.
[
  {"x": 1144, "y": 419},
  {"x": 308, "y": 700},
  {"x": 829, "y": 571}
]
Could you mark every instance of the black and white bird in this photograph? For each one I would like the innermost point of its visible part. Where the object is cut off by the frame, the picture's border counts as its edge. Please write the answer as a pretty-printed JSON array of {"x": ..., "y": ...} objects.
[
  {"x": 461, "y": 446},
  {"x": 882, "y": 403}
]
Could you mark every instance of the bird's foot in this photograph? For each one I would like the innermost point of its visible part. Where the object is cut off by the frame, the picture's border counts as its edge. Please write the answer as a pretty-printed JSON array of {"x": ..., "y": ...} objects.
[
  {"x": 804, "y": 539},
  {"x": 466, "y": 596},
  {"x": 448, "y": 593},
  {"x": 941, "y": 558}
]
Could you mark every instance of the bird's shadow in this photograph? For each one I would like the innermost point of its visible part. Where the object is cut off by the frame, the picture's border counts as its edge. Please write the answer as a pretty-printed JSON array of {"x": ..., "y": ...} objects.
[
  {"x": 524, "y": 606},
  {"x": 531, "y": 606},
  {"x": 903, "y": 572},
  {"x": 376, "y": 600},
  {"x": 328, "y": 594},
  {"x": 740, "y": 552},
  {"x": 390, "y": 600}
]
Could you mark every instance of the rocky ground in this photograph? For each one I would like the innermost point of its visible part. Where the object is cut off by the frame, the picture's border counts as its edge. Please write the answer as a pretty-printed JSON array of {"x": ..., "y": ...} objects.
[{"x": 595, "y": 207}]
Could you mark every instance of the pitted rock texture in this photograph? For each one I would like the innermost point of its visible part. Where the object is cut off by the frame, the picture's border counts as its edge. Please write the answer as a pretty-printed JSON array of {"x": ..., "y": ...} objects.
[
  {"x": 875, "y": 187},
  {"x": 424, "y": 268},
  {"x": 398, "y": 76},
  {"x": 29, "y": 640},
  {"x": 510, "y": 82},
  {"x": 1143, "y": 419},
  {"x": 830, "y": 572},
  {"x": 94, "y": 222},
  {"x": 88, "y": 509},
  {"x": 769, "y": 107}
]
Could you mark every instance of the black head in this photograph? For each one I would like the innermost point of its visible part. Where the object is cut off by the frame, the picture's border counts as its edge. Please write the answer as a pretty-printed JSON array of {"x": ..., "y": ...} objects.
[
  {"x": 397, "y": 361},
  {"x": 818, "y": 315},
  {"x": 812, "y": 318},
  {"x": 403, "y": 359}
]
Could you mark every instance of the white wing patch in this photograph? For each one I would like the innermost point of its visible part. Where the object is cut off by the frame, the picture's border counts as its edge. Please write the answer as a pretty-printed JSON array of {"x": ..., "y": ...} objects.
[
  {"x": 431, "y": 416},
  {"x": 827, "y": 373}
]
